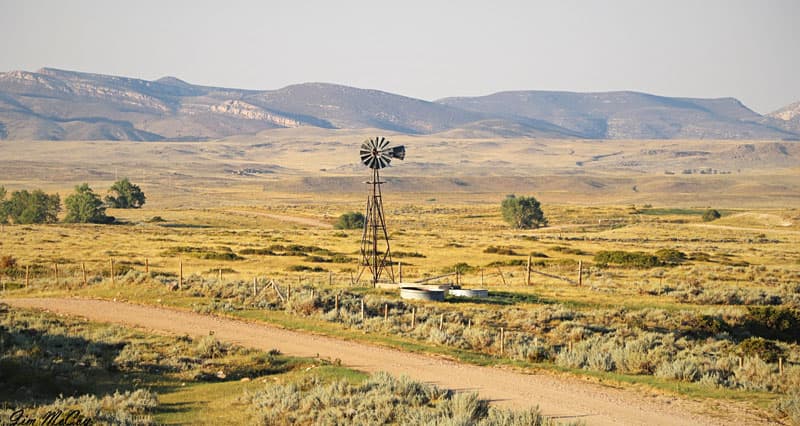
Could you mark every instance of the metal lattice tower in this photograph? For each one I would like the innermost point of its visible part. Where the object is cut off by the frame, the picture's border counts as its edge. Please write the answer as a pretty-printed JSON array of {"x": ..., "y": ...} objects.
[{"x": 375, "y": 250}]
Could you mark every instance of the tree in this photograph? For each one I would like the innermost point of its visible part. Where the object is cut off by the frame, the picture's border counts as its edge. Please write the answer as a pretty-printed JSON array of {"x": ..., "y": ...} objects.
[
  {"x": 350, "y": 220},
  {"x": 3, "y": 207},
  {"x": 710, "y": 215},
  {"x": 32, "y": 207},
  {"x": 523, "y": 212},
  {"x": 128, "y": 195},
  {"x": 84, "y": 206}
]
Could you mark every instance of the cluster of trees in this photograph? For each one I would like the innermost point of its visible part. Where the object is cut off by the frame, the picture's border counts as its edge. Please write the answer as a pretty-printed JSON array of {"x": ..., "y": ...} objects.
[{"x": 83, "y": 205}]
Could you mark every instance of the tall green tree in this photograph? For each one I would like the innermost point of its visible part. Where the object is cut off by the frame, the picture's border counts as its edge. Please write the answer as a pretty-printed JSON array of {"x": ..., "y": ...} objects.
[
  {"x": 84, "y": 206},
  {"x": 523, "y": 212},
  {"x": 125, "y": 195},
  {"x": 32, "y": 207}
]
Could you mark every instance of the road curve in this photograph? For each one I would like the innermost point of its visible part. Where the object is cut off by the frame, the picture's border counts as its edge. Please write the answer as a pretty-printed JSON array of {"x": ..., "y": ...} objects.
[{"x": 558, "y": 397}]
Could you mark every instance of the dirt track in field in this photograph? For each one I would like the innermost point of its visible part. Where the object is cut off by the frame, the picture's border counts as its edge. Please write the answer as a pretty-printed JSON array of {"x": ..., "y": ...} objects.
[
  {"x": 564, "y": 398},
  {"x": 286, "y": 218}
]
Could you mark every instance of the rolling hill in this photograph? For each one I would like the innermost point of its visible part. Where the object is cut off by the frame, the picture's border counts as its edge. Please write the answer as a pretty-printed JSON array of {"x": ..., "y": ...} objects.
[{"x": 52, "y": 104}]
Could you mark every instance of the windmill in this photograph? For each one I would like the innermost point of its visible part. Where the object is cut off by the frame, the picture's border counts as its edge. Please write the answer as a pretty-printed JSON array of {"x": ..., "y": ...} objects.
[{"x": 377, "y": 154}]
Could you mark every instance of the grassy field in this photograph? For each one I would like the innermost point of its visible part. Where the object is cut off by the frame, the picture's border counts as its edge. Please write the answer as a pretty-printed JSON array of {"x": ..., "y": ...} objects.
[{"x": 226, "y": 213}]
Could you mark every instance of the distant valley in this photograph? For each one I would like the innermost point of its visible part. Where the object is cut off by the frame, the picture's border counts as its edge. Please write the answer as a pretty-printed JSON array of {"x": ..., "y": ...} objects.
[{"x": 52, "y": 104}]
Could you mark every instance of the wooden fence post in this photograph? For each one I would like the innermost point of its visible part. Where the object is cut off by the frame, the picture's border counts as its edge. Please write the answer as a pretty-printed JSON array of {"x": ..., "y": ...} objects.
[
  {"x": 362, "y": 309},
  {"x": 180, "y": 274},
  {"x": 780, "y": 365},
  {"x": 55, "y": 272},
  {"x": 502, "y": 340},
  {"x": 469, "y": 323},
  {"x": 502, "y": 276},
  {"x": 219, "y": 276},
  {"x": 330, "y": 278},
  {"x": 27, "y": 274},
  {"x": 146, "y": 265},
  {"x": 385, "y": 311},
  {"x": 336, "y": 303},
  {"x": 580, "y": 273},
  {"x": 528, "y": 280},
  {"x": 441, "y": 322},
  {"x": 400, "y": 267},
  {"x": 288, "y": 292},
  {"x": 413, "y": 317},
  {"x": 255, "y": 290},
  {"x": 83, "y": 271},
  {"x": 481, "y": 277}
]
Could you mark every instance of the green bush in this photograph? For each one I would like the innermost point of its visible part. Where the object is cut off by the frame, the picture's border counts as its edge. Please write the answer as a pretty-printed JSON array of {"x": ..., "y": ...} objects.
[
  {"x": 773, "y": 322},
  {"x": 711, "y": 215},
  {"x": 670, "y": 256},
  {"x": 304, "y": 268},
  {"x": 500, "y": 250},
  {"x": 635, "y": 259},
  {"x": 350, "y": 220},
  {"x": 760, "y": 347},
  {"x": 222, "y": 252}
]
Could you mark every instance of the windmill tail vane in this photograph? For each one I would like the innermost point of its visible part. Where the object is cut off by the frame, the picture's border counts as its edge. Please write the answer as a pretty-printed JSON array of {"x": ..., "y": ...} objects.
[{"x": 375, "y": 251}]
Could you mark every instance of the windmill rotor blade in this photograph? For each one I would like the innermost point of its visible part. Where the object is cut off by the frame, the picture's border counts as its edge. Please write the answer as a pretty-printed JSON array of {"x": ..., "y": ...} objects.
[
  {"x": 384, "y": 143},
  {"x": 387, "y": 159},
  {"x": 382, "y": 162}
]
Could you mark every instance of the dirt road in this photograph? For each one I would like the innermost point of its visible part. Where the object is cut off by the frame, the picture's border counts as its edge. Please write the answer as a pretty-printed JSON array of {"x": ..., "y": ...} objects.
[{"x": 558, "y": 397}]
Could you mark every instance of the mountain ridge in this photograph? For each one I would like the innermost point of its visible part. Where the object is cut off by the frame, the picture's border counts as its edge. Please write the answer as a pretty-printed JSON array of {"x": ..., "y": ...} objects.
[{"x": 57, "y": 104}]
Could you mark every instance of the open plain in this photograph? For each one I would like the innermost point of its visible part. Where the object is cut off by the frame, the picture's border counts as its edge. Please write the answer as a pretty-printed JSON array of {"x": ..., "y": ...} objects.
[{"x": 243, "y": 228}]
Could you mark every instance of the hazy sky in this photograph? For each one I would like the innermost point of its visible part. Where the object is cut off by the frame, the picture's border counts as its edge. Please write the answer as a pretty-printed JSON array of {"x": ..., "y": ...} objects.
[{"x": 426, "y": 49}]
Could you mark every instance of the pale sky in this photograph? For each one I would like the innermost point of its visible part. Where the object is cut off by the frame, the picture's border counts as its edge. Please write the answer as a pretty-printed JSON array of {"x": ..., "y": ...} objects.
[{"x": 425, "y": 49}]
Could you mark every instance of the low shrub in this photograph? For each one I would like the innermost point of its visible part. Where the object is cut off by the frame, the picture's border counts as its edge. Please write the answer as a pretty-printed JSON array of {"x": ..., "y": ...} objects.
[
  {"x": 789, "y": 406},
  {"x": 760, "y": 347},
  {"x": 711, "y": 215},
  {"x": 670, "y": 256},
  {"x": 635, "y": 259},
  {"x": 381, "y": 399},
  {"x": 500, "y": 250},
  {"x": 773, "y": 322}
]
